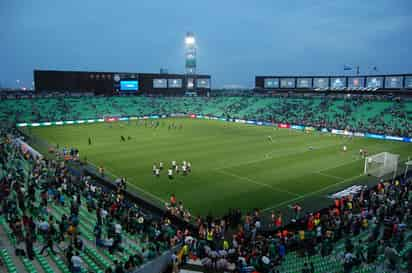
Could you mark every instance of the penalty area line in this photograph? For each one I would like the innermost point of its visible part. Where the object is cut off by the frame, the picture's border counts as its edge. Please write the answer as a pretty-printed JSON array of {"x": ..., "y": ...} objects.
[
  {"x": 256, "y": 182},
  {"x": 312, "y": 193},
  {"x": 329, "y": 175}
]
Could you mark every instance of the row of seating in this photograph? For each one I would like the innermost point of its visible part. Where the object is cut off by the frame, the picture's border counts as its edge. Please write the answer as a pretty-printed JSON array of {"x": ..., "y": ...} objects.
[
  {"x": 391, "y": 116},
  {"x": 16, "y": 210}
]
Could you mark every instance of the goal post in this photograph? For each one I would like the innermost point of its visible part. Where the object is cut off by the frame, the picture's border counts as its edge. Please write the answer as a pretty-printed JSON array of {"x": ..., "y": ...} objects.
[{"x": 381, "y": 164}]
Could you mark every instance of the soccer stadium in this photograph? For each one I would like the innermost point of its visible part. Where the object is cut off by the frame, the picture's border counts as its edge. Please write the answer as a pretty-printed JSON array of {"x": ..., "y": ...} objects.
[{"x": 106, "y": 171}]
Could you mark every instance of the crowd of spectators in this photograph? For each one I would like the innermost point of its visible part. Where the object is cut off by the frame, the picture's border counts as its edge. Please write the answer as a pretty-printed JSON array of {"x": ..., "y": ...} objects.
[
  {"x": 371, "y": 114},
  {"x": 33, "y": 188},
  {"x": 383, "y": 214}
]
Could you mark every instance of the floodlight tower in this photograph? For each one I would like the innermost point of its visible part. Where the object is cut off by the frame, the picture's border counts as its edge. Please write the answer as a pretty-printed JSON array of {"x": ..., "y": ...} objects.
[{"x": 190, "y": 60}]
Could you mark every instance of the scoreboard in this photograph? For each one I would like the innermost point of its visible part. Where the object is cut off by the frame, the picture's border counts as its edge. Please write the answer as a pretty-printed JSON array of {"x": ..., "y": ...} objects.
[
  {"x": 374, "y": 82},
  {"x": 408, "y": 82},
  {"x": 338, "y": 82},
  {"x": 402, "y": 82},
  {"x": 271, "y": 83},
  {"x": 356, "y": 82},
  {"x": 321, "y": 83},
  {"x": 287, "y": 83},
  {"x": 304, "y": 83},
  {"x": 393, "y": 82}
]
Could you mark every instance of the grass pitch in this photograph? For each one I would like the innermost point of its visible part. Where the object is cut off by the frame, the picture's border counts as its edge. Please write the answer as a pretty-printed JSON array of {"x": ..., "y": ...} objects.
[{"x": 233, "y": 165}]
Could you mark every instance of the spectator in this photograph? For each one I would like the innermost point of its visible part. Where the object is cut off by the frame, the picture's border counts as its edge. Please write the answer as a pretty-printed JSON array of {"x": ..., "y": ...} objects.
[{"x": 77, "y": 263}]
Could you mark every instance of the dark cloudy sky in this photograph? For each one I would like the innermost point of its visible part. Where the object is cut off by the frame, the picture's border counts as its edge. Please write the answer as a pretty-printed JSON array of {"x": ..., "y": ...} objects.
[{"x": 237, "y": 39}]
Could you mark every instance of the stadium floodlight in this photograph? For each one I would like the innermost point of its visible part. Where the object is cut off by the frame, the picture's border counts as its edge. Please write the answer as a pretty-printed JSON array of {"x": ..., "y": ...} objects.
[
  {"x": 190, "y": 40},
  {"x": 190, "y": 53}
]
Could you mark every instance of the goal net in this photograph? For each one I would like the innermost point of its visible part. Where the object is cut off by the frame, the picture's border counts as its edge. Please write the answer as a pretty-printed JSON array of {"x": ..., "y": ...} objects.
[{"x": 381, "y": 164}]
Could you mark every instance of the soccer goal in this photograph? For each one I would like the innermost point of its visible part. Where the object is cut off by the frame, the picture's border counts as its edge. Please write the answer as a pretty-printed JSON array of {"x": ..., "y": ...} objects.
[{"x": 381, "y": 164}]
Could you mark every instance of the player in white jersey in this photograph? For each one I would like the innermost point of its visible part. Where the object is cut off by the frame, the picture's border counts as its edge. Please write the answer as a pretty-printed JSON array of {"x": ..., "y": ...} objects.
[
  {"x": 189, "y": 166},
  {"x": 157, "y": 172},
  {"x": 184, "y": 169},
  {"x": 161, "y": 165},
  {"x": 344, "y": 148},
  {"x": 154, "y": 168},
  {"x": 170, "y": 173}
]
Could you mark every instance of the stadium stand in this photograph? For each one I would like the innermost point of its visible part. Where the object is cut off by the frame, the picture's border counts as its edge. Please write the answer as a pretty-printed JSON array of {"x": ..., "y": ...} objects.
[
  {"x": 370, "y": 232},
  {"x": 85, "y": 227},
  {"x": 360, "y": 114}
]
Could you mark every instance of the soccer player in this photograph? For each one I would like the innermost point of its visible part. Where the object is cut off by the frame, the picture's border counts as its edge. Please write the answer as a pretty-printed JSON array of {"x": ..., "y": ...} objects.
[
  {"x": 122, "y": 138},
  {"x": 345, "y": 148},
  {"x": 157, "y": 172},
  {"x": 90, "y": 141},
  {"x": 361, "y": 152},
  {"x": 174, "y": 163},
  {"x": 154, "y": 168},
  {"x": 161, "y": 165},
  {"x": 184, "y": 169},
  {"x": 189, "y": 166},
  {"x": 270, "y": 139},
  {"x": 170, "y": 173}
]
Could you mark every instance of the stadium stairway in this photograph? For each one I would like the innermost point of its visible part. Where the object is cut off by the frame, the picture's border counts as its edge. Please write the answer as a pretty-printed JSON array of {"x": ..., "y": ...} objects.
[
  {"x": 9, "y": 262},
  {"x": 95, "y": 259},
  {"x": 22, "y": 264},
  {"x": 131, "y": 244}
]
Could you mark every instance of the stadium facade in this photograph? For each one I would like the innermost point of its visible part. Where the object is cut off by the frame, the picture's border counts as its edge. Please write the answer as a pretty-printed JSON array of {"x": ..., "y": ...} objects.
[
  {"x": 345, "y": 83},
  {"x": 114, "y": 83}
]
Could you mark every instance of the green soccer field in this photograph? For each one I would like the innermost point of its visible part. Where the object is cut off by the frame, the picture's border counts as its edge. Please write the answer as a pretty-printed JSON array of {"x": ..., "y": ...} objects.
[{"x": 233, "y": 165}]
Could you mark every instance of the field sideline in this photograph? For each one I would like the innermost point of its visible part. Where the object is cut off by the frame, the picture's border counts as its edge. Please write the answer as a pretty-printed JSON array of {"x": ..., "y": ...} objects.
[{"x": 234, "y": 165}]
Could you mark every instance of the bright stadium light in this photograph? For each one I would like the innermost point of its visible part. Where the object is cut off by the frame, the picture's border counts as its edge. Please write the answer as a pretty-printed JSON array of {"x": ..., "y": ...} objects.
[
  {"x": 190, "y": 53},
  {"x": 190, "y": 40}
]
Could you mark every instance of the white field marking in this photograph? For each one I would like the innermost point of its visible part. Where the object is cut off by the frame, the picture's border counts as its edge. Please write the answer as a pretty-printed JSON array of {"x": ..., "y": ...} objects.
[
  {"x": 313, "y": 192},
  {"x": 273, "y": 157},
  {"x": 256, "y": 182},
  {"x": 340, "y": 165},
  {"x": 328, "y": 175},
  {"x": 133, "y": 185}
]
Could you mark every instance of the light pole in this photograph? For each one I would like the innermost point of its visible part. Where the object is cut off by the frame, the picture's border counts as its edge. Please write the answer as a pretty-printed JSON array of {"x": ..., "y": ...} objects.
[{"x": 190, "y": 60}]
